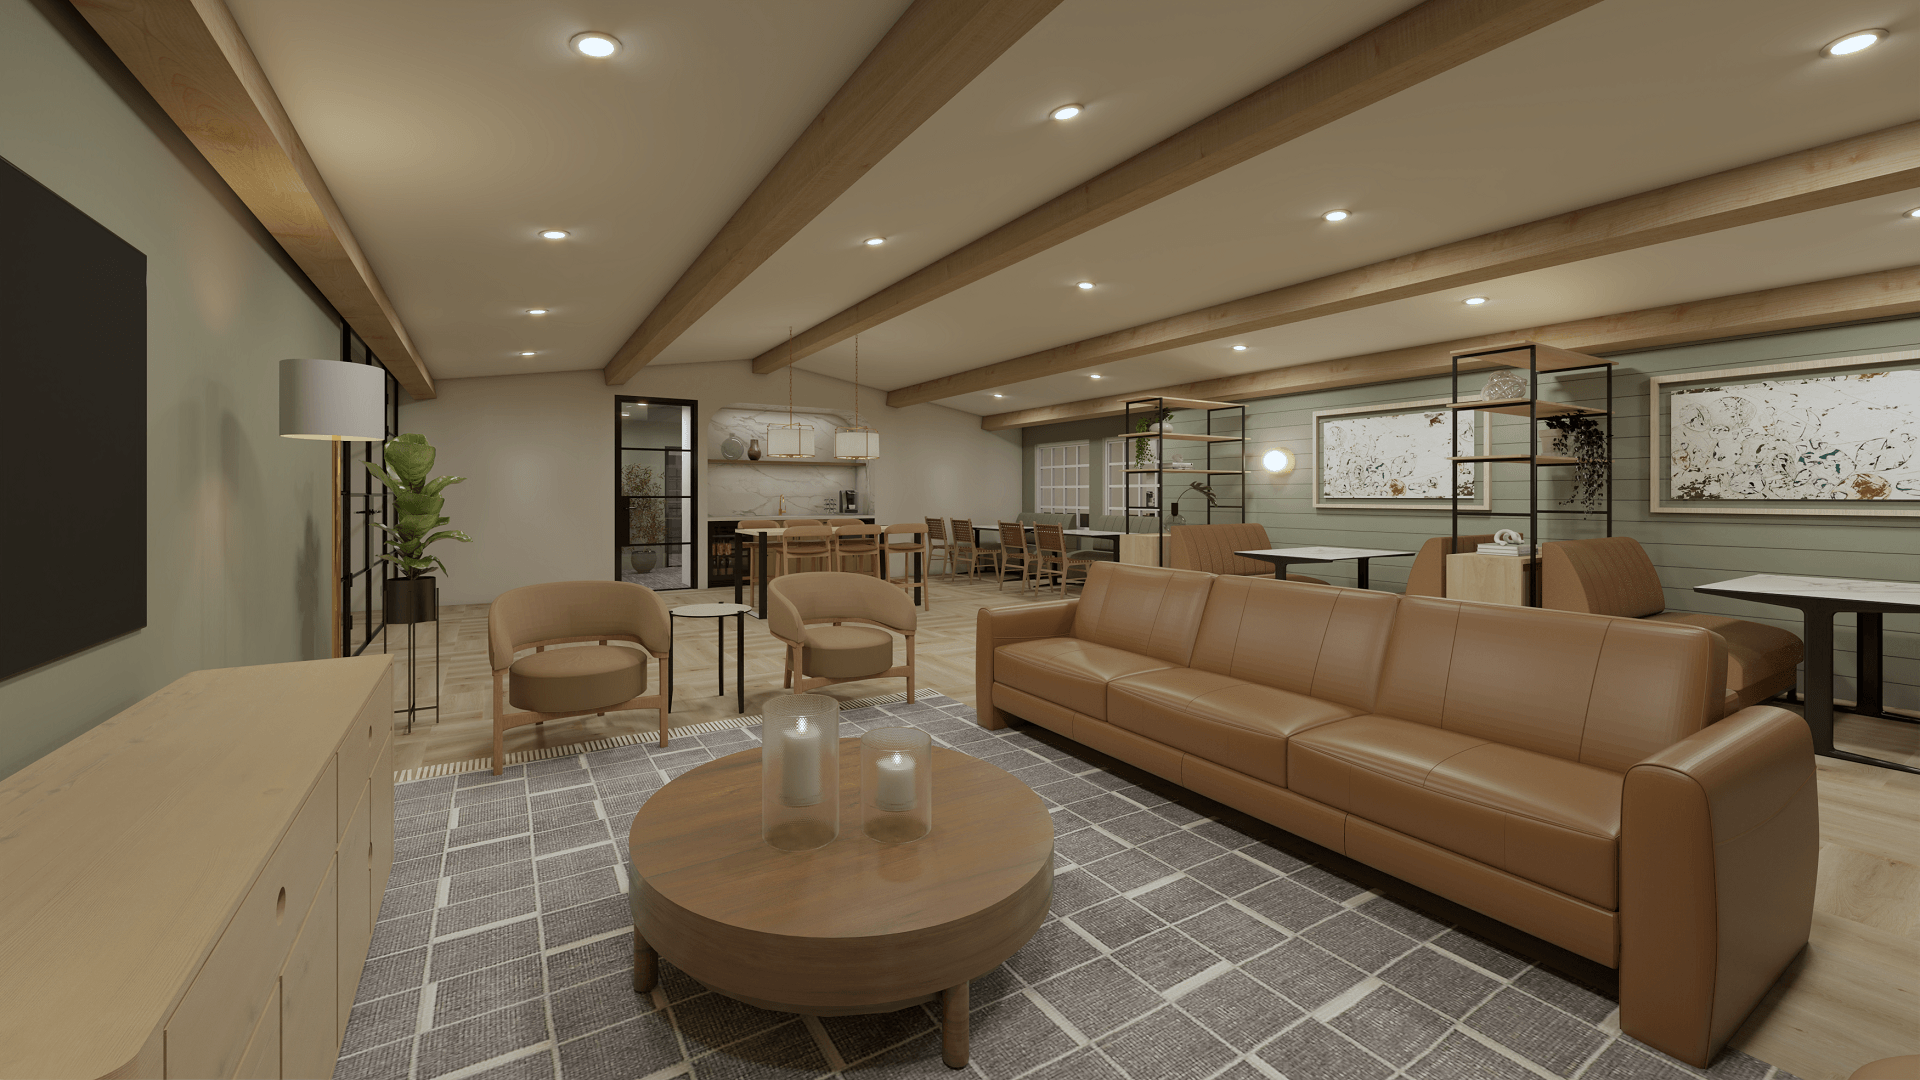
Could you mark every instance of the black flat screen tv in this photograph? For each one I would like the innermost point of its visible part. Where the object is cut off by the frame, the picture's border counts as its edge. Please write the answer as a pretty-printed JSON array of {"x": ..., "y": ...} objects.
[{"x": 73, "y": 429}]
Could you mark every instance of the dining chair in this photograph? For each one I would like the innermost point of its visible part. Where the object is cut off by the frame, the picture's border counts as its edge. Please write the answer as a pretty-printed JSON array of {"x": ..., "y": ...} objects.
[
  {"x": 859, "y": 542},
  {"x": 967, "y": 550},
  {"x": 914, "y": 544},
  {"x": 1017, "y": 550},
  {"x": 811, "y": 545},
  {"x": 1050, "y": 555},
  {"x": 939, "y": 547},
  {"x": 597, "y": 679}
]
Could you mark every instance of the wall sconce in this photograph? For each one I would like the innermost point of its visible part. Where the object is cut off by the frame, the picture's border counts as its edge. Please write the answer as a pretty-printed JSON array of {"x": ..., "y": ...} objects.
[{"x": 1277, "y": 461}]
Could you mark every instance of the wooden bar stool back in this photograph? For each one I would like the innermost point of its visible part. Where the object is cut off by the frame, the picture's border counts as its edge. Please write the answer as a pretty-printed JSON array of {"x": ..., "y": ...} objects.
[
  {"x": 747, "y": 553},
  {"x": 859, "y": 542},
  {"x": 913, "y": 543},
  {"x": 806, "y": 548}
]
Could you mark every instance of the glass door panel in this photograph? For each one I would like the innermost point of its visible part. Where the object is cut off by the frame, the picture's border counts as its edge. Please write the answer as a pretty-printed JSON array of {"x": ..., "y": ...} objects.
[{"x": 655, "y": 504}]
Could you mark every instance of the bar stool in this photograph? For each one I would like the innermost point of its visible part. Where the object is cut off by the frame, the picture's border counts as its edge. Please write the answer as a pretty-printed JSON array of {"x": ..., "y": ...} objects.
[
  {"x": 747, "y": 549},
  {"x": 837, "y": 522},
  {"x": 1017, "y": 550},
  {"x": 967, "y": 550},
  {"x": 938, "y": 547},
  {"x": 809, "y": 544},
  {"x": 907, "y": 550},
  {"x": 860, "y": 542}
]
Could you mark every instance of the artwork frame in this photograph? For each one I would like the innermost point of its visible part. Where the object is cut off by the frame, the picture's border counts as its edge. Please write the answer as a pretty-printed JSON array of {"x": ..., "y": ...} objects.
[
  {"x": 1662, "y": 390},
  {"x": 1474, "y": 420}
]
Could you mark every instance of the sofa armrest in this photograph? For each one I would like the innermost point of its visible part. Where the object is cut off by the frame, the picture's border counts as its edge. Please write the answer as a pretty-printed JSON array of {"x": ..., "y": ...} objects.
[
  {"x": 1719, "y": 844},
  {"x": 1004, "y": 626}
]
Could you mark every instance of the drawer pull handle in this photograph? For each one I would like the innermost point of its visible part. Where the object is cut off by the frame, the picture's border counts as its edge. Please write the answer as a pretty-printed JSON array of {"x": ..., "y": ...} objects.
[{"x": 280, "y": 905}]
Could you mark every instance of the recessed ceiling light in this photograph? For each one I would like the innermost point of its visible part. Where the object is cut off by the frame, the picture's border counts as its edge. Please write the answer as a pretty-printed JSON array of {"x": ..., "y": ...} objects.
[
  {"x": 1083, "y": 284},
  {"x": 553, "y": 234},
  {"x": 999, "y": 395},
  {"x": 1239, "y": 348},
  {"x": 595, "y": 44},
  {"x": 1093, "y": 376},
  {"x": 874, "y": 241},
  {"x": 526, "y": 354},
  {"x": 1474, "y": 301},
  {"x": 1858, "y": 41},
  {"x": 1336, "y": 215},
  {"x": 536, "y": 311},
  {"x": 1065, "y": 112},
  {"x": 1913, "y": 213}
]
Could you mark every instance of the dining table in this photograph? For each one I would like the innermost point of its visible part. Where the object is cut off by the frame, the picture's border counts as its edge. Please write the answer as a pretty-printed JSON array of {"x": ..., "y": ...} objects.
[
  {"x": 918, "y": 580},
  {"x": 1819, "y": 599},
  {"x": 1281, "y": 558}
]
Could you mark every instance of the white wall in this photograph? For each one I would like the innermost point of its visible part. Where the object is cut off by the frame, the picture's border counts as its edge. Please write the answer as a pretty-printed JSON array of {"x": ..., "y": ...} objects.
[
  {"x": 237, "y": 517},
  {"x": 538, "y": 454}
]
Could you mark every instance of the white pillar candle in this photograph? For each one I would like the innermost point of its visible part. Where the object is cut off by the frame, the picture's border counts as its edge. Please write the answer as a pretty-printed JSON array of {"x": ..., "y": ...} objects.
[
  {"x": 800, "y": 765},
  {"x": 895, "y": 788}
]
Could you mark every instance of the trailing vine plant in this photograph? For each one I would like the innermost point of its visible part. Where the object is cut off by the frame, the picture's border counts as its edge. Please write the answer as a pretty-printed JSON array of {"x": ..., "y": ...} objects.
[
  {"x": 1587, "y": 443},
  {"x": 1141, "y": 447}
]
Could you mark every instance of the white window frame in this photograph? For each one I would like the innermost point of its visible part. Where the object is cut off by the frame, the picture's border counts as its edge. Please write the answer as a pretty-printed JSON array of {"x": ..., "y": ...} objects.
[
  {"x": 1060, "y": 478},
  {"x": 1119, "y": 457}
]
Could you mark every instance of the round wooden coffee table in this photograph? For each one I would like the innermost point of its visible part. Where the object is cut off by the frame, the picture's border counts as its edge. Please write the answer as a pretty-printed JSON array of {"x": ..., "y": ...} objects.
[{"x": 856, "y": 926}]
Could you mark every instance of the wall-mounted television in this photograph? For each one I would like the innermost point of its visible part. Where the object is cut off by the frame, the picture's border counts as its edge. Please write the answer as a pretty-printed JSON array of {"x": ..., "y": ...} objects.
[{"x": 73, "y": 429}]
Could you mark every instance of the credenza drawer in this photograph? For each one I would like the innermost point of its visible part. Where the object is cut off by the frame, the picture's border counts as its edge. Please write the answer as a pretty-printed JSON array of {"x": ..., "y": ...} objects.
[
  {"x": 357, "y": 750},
  {"x": 355, "y": 921},
  {"x": 261, "y": 1058},
  {"x": 209, "y": 1029},
  {"x": 310, "y": 1028},
  {"x": 382, "y": 825}
]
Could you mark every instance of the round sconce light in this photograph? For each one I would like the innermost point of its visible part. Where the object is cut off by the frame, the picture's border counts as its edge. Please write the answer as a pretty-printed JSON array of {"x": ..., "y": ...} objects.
[{"x": 1276, "y": 461}]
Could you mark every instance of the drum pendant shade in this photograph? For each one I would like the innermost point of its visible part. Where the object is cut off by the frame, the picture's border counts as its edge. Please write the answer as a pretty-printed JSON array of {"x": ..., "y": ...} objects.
[{"x": 332, "y": 399}]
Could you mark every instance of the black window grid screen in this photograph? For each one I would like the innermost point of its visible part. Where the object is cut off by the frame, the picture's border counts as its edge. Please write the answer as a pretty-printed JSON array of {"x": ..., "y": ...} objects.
[{"x": 363, "y": 502}]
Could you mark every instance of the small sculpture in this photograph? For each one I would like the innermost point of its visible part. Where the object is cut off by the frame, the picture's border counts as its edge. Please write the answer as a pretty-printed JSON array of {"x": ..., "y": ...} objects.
[{"x": 1509, "y": 538}]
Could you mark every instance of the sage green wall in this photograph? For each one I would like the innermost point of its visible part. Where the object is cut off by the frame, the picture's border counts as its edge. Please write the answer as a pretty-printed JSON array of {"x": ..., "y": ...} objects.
[
  {"x": 237, "y": 517},
  {"x": 1688, "y": 549}
]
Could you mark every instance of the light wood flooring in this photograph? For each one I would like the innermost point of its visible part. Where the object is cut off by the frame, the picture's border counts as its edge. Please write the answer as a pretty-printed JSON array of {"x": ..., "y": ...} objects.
[{"x": 1853, "y": 996}]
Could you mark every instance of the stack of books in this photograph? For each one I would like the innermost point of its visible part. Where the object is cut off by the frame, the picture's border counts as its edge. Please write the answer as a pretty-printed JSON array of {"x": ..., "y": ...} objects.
[{"x": 1506, "y": 549}]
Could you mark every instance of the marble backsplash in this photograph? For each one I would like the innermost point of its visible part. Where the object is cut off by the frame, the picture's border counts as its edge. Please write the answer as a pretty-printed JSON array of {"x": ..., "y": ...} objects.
[{"x": 754, "y": 490}]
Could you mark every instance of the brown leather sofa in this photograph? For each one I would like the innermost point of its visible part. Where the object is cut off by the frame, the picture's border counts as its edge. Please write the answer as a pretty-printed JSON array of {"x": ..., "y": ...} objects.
[
  {"x": 1563, "y": 773},
  {"x": 1210, "y": 548},
  {"x": 1614, "y": 576}
]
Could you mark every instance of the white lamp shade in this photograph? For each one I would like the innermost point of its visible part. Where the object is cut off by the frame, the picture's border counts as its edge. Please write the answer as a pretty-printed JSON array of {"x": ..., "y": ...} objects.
[
  {"x": 857, "y": 444},
  {"x": 332, "y": 399},
  {"x": 784, "y": 440}
]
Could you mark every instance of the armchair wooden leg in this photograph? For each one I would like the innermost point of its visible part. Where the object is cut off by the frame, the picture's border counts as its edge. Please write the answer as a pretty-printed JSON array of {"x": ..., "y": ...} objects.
[{"x": 499, "y": 746}]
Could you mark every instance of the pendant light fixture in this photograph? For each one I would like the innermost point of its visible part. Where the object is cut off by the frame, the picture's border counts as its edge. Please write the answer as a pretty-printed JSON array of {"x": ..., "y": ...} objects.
[
  {"x": 856, "y": 443},
  {"x": 791, "y": 439}
]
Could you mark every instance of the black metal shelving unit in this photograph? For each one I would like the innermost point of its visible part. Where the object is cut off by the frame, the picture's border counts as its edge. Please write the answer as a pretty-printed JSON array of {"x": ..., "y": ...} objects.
[
  {"x": 1536, "y": 360},
  {"x": 1219, "y": 415}
]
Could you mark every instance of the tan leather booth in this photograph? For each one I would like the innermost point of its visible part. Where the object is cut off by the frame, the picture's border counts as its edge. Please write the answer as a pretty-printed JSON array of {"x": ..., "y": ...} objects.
[
  {"x": 1210, "y": 548},
  {"x": 1614, "y": 576},
  {"x": 1428, "y": 577},
  {"x": 1568, "y": 774}
]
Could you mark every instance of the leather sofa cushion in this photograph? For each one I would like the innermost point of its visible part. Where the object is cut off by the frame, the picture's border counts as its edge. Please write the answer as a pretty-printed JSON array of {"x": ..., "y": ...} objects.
[
  {"x": 846, "y": 652},
  {"x": 1756, "y": 652},
  {"x": 1548, "y": 820},
  {"x": 1320, "y": 642},
  {"x": 1241, "y": 725},
  {"x": 576, "y": 678},
  {"x": 1142, "y": 609},
  {"x": 1068, "y": 671}
]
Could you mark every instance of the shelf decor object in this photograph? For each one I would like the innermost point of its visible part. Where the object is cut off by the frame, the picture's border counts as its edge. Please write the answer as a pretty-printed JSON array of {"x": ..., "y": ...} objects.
[
  {"x": 856, "y": 443},
  {"x": 1396, "y": 456},
  {"x": 732, "y": 448},
  {"x": 1832, "y": 437},
  {"x": 1591, "y": 441},
  {"x": 896, "y": 784},
  {"x": 800, "y": 772}
]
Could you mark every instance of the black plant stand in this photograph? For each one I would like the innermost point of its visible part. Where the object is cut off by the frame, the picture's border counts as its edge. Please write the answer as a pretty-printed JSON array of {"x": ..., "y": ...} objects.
[{"x": 414, "y": 601}]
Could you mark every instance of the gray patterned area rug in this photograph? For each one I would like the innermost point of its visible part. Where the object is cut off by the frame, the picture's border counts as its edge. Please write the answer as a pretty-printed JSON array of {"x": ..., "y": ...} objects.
[{"x": 1186, "y": 941}]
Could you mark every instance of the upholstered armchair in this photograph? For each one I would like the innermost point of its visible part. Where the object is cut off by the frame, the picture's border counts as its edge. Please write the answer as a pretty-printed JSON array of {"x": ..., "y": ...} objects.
[
  {"x": 1614, "y": 576},
  {"x": 556, "y": 684},
  {"x": 1211, "y": 548},
  {"x": 835, "y": 627}
]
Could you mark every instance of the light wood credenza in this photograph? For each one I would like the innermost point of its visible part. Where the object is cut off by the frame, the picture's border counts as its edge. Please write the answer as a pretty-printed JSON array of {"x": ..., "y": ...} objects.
[{"x": 189, "y": 889}]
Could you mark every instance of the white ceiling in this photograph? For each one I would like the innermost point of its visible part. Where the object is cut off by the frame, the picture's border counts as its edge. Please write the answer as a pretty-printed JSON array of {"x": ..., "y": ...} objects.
[{"x": 446, "y": 165}]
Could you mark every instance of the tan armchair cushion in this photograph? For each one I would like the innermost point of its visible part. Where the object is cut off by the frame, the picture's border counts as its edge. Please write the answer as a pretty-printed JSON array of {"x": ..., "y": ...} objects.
[
  {"x": 794, "y": 600},
  {"x": 846, "y": 652},
  {"x": 577, "y": 678},
  {"x": 575, "y": 609}
]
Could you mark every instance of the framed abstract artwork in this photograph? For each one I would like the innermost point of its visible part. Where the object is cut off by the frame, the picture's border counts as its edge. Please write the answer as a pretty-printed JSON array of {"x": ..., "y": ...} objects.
[
  {"x": 1394, "y": 456},
  {"x": 1839, "y": 436}
]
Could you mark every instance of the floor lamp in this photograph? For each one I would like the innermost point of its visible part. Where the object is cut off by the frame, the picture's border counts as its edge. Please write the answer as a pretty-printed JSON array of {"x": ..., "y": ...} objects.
[{"x": 339, "y": 402}]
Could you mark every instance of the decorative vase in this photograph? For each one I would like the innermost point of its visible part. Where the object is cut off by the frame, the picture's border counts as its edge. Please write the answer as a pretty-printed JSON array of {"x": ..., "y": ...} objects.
[
  {"x": 1505, "y": 385},
  {"x": 410, "y": 600},
  {"x": 896, "y": 784},
  {"x": 643, "y": 560},
  {"x": 731, "y": 449},
  {"x": 753, "y": 450},
  {"x": 800, "y": 772}
]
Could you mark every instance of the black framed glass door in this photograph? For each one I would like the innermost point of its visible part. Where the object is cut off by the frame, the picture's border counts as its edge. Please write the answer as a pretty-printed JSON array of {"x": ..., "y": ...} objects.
[{"x": 656, "y": 506}]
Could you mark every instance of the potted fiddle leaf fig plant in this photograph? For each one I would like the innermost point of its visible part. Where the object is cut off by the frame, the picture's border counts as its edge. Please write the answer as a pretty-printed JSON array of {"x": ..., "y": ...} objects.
[{"x": 416, "y": 502}]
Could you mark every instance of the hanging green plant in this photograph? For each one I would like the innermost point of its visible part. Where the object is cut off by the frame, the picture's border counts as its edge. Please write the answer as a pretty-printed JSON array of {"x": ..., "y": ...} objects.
[
  {"x": 1586, "y": 443},
  {"x": 416, "y": 504},
  {"x": 1142, "y": 447}
]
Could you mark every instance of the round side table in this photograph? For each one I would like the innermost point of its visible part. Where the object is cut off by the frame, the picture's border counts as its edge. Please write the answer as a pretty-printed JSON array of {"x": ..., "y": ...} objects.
[
  {"x": 856, "y": 926},
  {"x": 719, "y": 613}
]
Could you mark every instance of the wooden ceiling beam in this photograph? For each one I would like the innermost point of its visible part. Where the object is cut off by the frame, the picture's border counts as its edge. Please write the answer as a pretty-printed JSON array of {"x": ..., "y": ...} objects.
[
  {"x": 1404, "y": 51},
  {"x": 191, "y": 56},
  {"x": 1882, "y": 294},
  {"x": 934, "y": 50},
  {"x": 1862, "y": 167}
]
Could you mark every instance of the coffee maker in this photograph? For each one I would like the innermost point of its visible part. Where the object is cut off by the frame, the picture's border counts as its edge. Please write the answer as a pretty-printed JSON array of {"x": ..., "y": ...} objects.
[{"x": 849, "y": 501}]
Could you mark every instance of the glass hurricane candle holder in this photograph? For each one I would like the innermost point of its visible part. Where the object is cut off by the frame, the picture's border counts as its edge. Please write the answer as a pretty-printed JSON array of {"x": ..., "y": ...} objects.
[
  {"x": 800, "y": 772},
  {"x": 896, "y": 784}
]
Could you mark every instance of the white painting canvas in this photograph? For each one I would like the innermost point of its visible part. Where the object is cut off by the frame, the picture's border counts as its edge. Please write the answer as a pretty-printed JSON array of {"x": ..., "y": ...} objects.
[
  {"x": 1394, "y": 455},
  {"x": 1830, "y": 437}
]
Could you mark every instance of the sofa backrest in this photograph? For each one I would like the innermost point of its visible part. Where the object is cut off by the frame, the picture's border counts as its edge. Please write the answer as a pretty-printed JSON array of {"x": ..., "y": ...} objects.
[
  {"x": 1310, "y": 639},
  {"x": 1144, "y": 609},
  {"x": 1602, "y": 577},
  {"x": 1210, "y": 548},
  {"x": 1603, "y": 691}
]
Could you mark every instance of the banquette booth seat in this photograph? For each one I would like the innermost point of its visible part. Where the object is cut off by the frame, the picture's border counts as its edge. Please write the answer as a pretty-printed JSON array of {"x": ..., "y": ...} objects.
[
  {"x": 1567, "y": 774},
  {"x": 1428, "y": 576},
  {"x": 1614, "y": 576},
  {"x": 1210, "y": 548}
]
